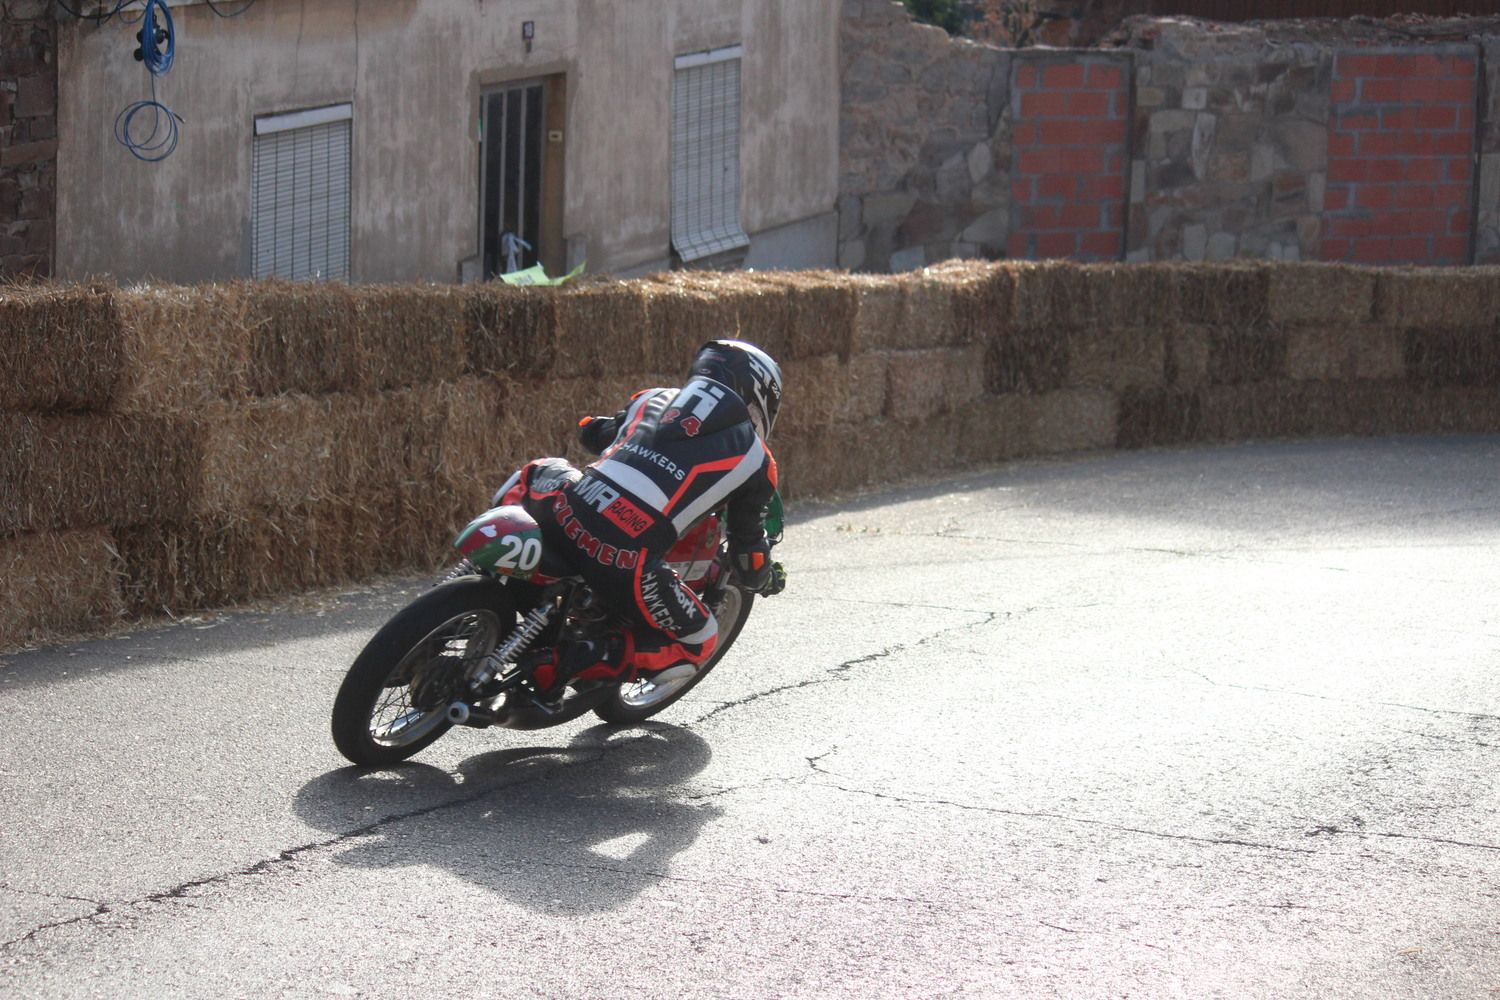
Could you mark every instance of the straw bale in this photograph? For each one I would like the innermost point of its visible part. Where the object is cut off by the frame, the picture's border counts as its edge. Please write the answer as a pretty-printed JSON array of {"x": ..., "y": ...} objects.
[
  {"x": 878, "y": 316},
  {"x": 1246, "y": 355},
  {"x": 983, "y": 299},
  {"x": 836, "y": 460},
  {"x": 928, "y": 382},
  {"x": 919, "y": 448},
  {"x": 1453, "y": 356},
  {"x": 184, "y": 347},
  {"x": 271, "y": 452},
  {"x": 1226, "y": 295},
  {"x": 303, "y": 338},
  {"x": 1187, "y": 352},
  {"x": 682, "y": 317},
  {"x": 820, "y": 311},
  {"x": 866, "y": 383},
  {"x": 1320, "y": 293},
  {"x": 929, "y": 315},
  {"x": 1045, "y": 296},
  {"x": 57, "y": 583},
  {"x": 600, "y": 326},
  {"x": 821, "y": 393},
  {"x": 408, "y": 335},
  {"x": 1117, "y": 357},
  {"x": 1345, "y": 352},
  {"x": 991, "y": 429},
  {"x": 1153, "y": 417},
  {"x": 1427, "y": 298},
  {"x": 1454, "y": 409},
  {"x": 84, "y": 470},
  {"x": 539, "y": 419},
  {"x": 1071, "y": 420},
  {"x": 1288, "y": 409},
  {"x": 1027, "y": 360},
  {"x": 60, "y": 348},
  {"x": 510, "y": 330},
  {"x": 1120, "y": 295}
]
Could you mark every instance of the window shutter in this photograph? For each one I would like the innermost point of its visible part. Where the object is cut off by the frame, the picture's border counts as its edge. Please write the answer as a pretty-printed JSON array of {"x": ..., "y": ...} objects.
[
  {"x": 300, "y": 197},
  {"x": 706, "y": 154}
]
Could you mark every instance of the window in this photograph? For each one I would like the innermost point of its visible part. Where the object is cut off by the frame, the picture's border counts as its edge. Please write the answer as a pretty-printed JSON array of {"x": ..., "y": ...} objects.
[
  {"x": 300, "y": 195},
  {"x": 706, "y": 154}
]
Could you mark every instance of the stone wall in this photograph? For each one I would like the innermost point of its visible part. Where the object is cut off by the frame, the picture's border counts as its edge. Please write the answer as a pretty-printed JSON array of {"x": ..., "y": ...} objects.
[
  {"x": 1257, "y": 141},
  {"x": 28, "y": 138}
]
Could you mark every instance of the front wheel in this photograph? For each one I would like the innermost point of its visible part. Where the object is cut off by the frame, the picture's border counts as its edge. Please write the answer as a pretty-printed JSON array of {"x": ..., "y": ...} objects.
[
  {"x": 637, "y": 701},
  {"x": 394, "y": 700}
]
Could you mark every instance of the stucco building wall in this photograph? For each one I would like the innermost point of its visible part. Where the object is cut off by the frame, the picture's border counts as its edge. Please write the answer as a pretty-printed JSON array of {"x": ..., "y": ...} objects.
[{"x": 414, "y": 71}]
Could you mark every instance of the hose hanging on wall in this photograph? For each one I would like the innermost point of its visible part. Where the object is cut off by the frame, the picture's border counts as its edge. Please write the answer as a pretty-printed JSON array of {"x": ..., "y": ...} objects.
[{"x": 158, "y": 47}]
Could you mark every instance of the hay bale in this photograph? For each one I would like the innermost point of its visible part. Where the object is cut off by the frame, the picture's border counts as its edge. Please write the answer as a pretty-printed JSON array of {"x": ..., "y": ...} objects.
[
  {"x": 1045, "y": 296},
  {"x": 1026, "y": 360},
  {"x": 84, "y": 470},
  {"x": 509, "y": 330},
  {"x": 1071, "y": 420},
  {"x": 991, "y": 429},
  {"x": 408, "y": 335},
  {"x": 924, "y": 383},
  {"x": 57, "y": 583},
  {"x": 878, "y": 314},
  {"x": 302, "y": 338},
  {"x": 929, "y": 315},
  {"x": 599, "y": 326},
  {"x": 819, "y": 313},
  {"x": 1453, "y": 356},
  {"x": 682, "y": 315},
  {"x": 825, "y": 385},
  {"x": 1117, "y": 357},
  {"x": 865, "y": 387},
  {"x": 1246, "y": 355},
  {"x": 1438, "y": 298},
  {"x": 1188, "y": 349},
  {"x": 1153, "y": 417},
  {"x": 1233, "y": 296},
  {"x": 185, "y": 347},
  {"x": 538, "y": 419},
  {"x": 60, "y": 347},
  {"x": 1320, "y": 293},
  {"x": 260, "y": 453},
  {"x": 838, "y": 460},
  {"x": 1345, "y": 352}
]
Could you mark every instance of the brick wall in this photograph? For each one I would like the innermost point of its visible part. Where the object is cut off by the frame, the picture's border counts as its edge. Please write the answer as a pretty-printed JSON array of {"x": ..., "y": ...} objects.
[
  {"x": 1068, "y": 148},
  {"x": 28, "y": 138},
  {"x": 1400, "y": 156}
]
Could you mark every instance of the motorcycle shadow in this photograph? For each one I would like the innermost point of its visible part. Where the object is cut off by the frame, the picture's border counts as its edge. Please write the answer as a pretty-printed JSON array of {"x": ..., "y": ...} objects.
[{"x": 559, "y": 830}]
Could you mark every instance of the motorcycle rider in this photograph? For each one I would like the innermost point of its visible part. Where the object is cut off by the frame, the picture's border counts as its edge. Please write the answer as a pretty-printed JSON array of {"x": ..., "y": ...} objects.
[{"x": 669, "y": 457}]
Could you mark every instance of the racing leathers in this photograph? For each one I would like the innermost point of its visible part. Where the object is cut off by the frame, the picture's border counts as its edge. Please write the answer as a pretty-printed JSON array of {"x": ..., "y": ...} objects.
[{"x": 670, "y": 457}]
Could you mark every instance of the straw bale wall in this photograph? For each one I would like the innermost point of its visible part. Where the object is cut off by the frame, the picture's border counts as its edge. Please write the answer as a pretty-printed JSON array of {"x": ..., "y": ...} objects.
[{"x": 170, "y": 449}]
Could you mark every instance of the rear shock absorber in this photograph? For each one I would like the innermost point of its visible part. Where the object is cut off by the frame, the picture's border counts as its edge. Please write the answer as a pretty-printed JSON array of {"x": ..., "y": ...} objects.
[{"x": 531, "y": 627}]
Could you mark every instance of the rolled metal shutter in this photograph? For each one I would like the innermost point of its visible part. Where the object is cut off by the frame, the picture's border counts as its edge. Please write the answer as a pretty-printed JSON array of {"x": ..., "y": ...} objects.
[
  {"x": 300, "y": 199},
  {"x": 706, "y": 154}
]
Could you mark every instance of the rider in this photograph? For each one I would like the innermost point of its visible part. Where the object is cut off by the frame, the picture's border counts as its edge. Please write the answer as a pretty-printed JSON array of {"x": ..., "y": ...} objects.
[{"x": 670, "y": 457}]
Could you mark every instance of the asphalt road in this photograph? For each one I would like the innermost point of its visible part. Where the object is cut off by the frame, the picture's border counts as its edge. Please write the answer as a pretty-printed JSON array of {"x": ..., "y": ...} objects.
[{"x": 1221, "y": 722}]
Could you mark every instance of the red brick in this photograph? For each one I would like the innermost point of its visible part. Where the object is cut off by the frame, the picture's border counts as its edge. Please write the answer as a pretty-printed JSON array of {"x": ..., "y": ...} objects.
[
  {"x": 1458, "y": 223},
  {"x": 1359, "y": 121},
  {"x": 1090, "y": 104},
  {"x": 1348, "y": 169},
  {"x": 1081, "y": 132},
  {"x": 1416, "y": 249},
  {"x": 1465, "y": 116},
  {"x": 1085, "y": 160},
  {"x": 1041, "y": 104},
  {"x": 1449, "y": 195},
  {"x": 1335, "y": 198},
  {"x": 1058, "y": 186},
  {"x": 1343, "y": 91},
  {"x": 1388, "y": 170},
  {"x": 1374, "y": 195},
  {"x": 1106, "y": 188},
  {"x": 1459, "y": 169},
  {"x": 1040, "y": 217},
  {"x": 1352, "y": 228},
  {"x": 1108, "y": 77},
  {"x": 1414, "y": 65},
  {"x": 1114, "y": 216},
  {"x": 1040, "y": 161},
  {"x": 1340, "y": 144},
  {"x": 1100, "y": 246},
  {"x": 1078, "y": 217},
  {"x": 1451, "y": 249},
  {"x": 1411, "y": 196},
  {"x": 1065, "y": 76},
  {"x": 1439, "y": 116},
  {"x": 1425, "y": 169},
  {"x": 1056, "y": 244},
  {"x": 1437, "y": 91},
  {"x": 1022, "y": 190},
  {"x": 1380, "y": 91},
  {"x": 1026, "y": 76},
  {"x": 1025, "y": 134},
  {"x": 1114, "y": 163},
  {"x": 1334, "y": 249},
  {"x": 1016, "y": 246},
  {"x": 1453, "y": 143},
  {"x": 1354, "y": 65}
]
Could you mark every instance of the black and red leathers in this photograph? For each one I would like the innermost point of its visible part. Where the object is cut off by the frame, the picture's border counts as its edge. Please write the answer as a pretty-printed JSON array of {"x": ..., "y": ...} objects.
[{"x": 666, "y": 460}]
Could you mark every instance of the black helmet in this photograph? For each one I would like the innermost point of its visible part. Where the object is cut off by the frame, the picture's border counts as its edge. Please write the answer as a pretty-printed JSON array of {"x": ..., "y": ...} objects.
[{"x": 750, "y": 372}]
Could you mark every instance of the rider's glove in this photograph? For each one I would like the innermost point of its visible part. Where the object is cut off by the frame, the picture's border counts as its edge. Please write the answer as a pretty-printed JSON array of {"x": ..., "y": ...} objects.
[{"x": 758, "y": 573}]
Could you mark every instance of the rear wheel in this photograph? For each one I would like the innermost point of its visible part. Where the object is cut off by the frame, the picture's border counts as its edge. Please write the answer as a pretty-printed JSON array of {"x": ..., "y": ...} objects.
[
  {"x": 639, "y": 700},
  {"x": 395, "y": 698}
]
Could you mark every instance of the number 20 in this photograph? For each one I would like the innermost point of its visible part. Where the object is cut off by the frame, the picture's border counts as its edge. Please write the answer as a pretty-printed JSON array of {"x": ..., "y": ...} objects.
[{"x": 519, "y": 554}]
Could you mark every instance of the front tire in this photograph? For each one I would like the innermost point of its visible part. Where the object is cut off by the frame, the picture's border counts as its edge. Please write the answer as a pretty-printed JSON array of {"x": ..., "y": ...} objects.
[
  {"x": 394, "y": 700},
  {"x": 639, "y": 700}
]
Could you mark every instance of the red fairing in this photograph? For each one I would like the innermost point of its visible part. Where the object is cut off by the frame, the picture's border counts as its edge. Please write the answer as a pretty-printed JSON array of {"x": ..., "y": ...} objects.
[{"x": 693, "y": 554}]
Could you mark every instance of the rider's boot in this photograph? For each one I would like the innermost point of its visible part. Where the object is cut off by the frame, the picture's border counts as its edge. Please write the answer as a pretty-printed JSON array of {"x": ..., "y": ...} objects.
[{"x": 579, "y": 660}]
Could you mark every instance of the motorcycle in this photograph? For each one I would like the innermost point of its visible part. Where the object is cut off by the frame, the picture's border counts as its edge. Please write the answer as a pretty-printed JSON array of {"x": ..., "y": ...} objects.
[{"x": 453, "y": 656}]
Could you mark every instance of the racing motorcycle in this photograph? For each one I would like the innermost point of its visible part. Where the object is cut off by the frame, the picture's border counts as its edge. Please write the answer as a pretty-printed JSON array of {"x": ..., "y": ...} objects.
[{"x": 453, "y": 656}]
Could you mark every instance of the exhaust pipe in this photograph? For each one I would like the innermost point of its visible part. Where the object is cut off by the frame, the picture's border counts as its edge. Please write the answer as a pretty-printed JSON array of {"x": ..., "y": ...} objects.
[{"x": 458, "y": 713}]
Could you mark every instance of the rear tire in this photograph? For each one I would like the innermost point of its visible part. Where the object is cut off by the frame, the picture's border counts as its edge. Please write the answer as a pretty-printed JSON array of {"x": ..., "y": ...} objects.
[
  {"x": 640, "y": 700},
  {"x": 394, "y": 700}
]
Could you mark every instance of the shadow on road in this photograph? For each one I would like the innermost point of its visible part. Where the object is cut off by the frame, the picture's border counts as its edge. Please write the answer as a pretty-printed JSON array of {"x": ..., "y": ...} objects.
[{"x": 558, "y": 830}]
